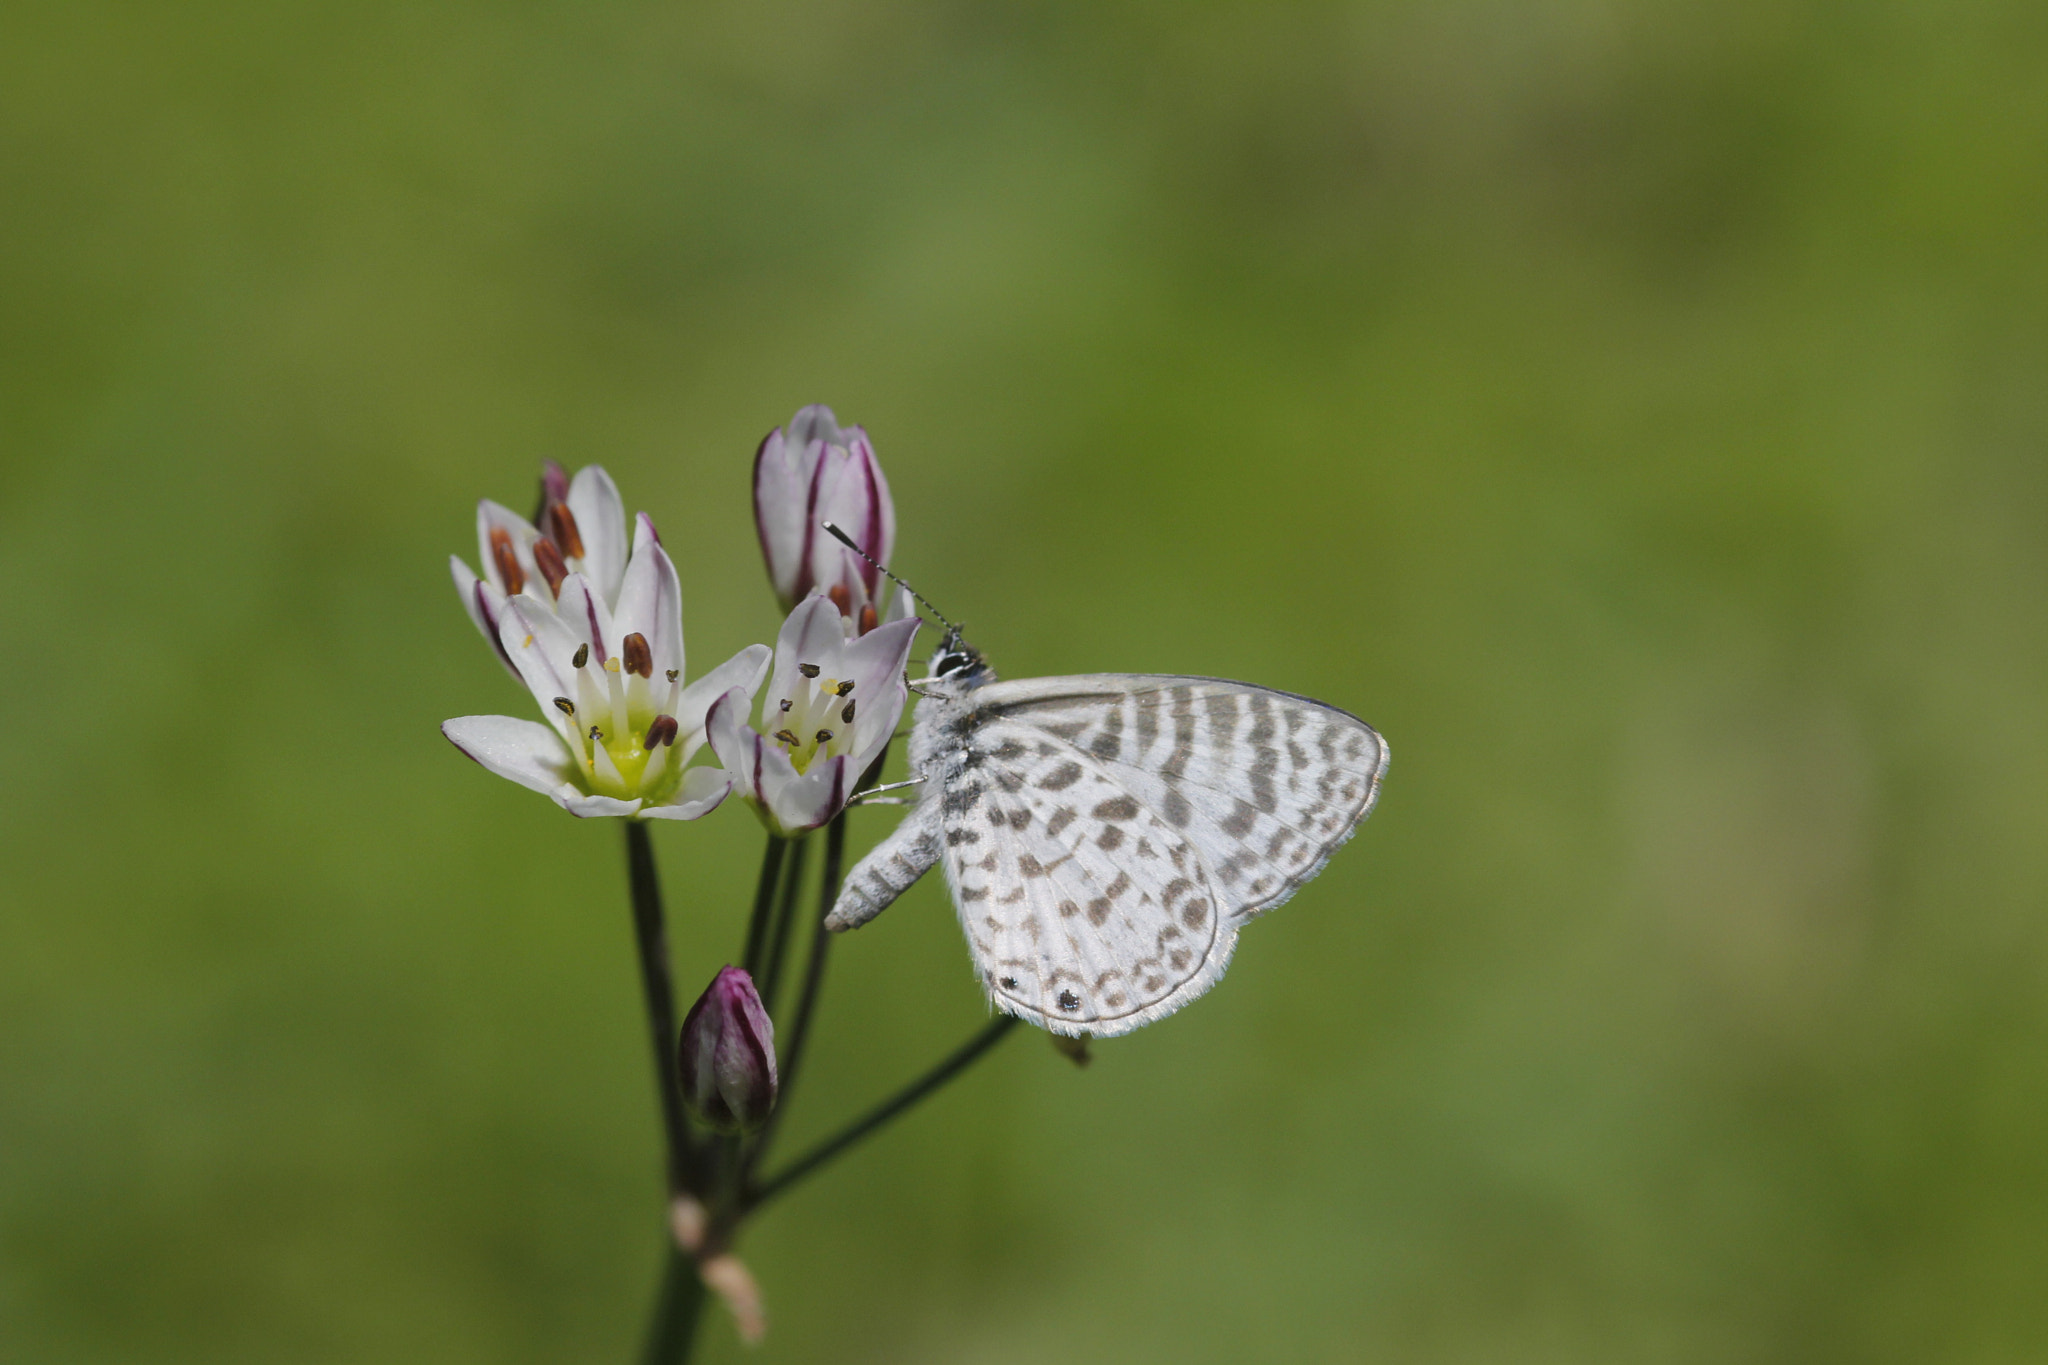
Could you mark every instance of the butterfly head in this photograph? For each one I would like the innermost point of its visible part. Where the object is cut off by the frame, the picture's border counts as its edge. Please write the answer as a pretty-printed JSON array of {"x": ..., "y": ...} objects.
[{"x": 958, "y": 662}]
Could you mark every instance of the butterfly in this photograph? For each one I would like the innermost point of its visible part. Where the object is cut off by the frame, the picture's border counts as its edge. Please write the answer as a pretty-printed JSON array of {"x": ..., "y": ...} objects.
[{"x": 1106, "y": 835}]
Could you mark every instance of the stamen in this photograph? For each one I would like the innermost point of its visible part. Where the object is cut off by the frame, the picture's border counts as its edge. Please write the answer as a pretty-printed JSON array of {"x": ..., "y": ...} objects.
[
  {"x": 841, "y": 599},
  {"x": 846, "y": 714},
  {"x": 674, "y": 673},
  {"x": 565, "y": 706},
  {"x": 563, "y": 522},
  {"x": 787, "y": 738},
  {"x": 597, "y": 734},
  {"x": 786, "y": 703},
  {"x": 507, "y": 562},
  {"x": 808, "y": 670},
  {"x": 663, "y": 731},
  {"x": 824, "y": 735},
  {"x": 846, "y": 687},
  {"x": 867, "y": 619},
  {"x": 582, "y": 656},
  {"x": 548, "y": 560},
  {"x": 639, "y": 658}
]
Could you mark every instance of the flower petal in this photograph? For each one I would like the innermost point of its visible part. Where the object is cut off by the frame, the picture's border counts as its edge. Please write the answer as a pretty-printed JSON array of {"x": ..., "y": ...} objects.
[
  {"x": 594, "y": 807},
  {"x": 524, "y": 751},
  {"x": 581, "y": 608},
  {"x": 725, "y": 727},
  {"x": 877, "y": 659},
  {"x": 743, "y": 671},
  {"x": 601, "y": 522},
  {"x": 807, "y": 800},
  {"x": 815, "y": 422},
  {"x": 492, "y": 516},
  {"x": 779, "y": 512},
  {"x": 812, "y": 635},
  {"x": 485, "y": 604},
  {"x": 650, "y": 600},
  {"x": 703, "y": 790},
  {"x": 543, "y": 649}
]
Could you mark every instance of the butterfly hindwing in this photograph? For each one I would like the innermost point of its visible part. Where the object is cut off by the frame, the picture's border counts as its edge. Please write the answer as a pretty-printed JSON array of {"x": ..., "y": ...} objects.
[{"x": 1086, "y": 912}]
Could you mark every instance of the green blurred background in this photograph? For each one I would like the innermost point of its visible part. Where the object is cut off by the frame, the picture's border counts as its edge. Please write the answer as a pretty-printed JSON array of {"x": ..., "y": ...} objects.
[{"x": 1637, "y": 411}]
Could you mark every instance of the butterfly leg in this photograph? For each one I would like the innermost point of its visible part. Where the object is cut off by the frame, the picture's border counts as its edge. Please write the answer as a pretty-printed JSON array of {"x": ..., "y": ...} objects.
[{"x": 909, "y": 852}]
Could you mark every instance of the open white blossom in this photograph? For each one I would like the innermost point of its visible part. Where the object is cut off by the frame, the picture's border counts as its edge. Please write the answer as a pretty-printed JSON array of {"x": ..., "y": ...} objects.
[
  {"x": 608, "y": 675},
  {"x": 829, "y": 712}
]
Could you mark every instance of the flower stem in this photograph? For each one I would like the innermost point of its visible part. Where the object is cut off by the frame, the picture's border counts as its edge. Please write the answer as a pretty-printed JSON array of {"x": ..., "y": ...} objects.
[
  {"x": 764, "y": 901},
  {"x": 964, "y": 1057},
  {"x": 807, "y": 996},
  {"x": 785, "y": 925},
  {"x": 673, "y": 1333},
  {"x": 652, "y": 939}
]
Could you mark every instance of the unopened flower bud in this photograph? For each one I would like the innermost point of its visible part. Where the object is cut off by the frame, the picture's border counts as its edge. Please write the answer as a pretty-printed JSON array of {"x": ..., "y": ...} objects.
[
  {"x": 815, "y": 471},
  {"x": 726, "y": 1059}
]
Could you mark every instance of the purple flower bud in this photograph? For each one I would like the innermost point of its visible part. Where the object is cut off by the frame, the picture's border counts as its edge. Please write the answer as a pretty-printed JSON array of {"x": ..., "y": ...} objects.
[
  {"x": 816, "y": 471},
  {"x": 727, "y": 1056}
]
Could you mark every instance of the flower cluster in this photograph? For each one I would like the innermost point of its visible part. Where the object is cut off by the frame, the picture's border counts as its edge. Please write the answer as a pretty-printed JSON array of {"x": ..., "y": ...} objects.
[{"x": 596, "y": 635}]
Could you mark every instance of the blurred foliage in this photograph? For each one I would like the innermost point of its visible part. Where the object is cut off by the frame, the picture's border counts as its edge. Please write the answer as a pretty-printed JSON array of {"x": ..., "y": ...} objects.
[{"x": 1635, "y": 410}]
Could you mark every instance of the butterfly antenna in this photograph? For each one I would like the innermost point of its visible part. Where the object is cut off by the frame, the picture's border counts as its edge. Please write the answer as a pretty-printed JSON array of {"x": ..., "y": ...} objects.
[{"x": 846, "y": 540}]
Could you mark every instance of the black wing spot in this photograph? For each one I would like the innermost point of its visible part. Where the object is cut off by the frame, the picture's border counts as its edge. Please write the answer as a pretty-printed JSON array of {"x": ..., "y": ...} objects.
[
  {"x": 1069, "y": 1001},
  {"x": 1009, "y": 983}
]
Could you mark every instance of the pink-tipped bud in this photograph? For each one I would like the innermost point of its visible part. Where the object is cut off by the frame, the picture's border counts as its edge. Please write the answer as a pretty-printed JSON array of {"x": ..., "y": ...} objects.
[
  {"x": 726, "y": 1059},
  {"x": 815, "y": 471}
]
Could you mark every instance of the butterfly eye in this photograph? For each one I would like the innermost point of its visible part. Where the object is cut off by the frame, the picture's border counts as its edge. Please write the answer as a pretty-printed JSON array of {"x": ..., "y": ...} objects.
[{"x": 951, "y": 663}]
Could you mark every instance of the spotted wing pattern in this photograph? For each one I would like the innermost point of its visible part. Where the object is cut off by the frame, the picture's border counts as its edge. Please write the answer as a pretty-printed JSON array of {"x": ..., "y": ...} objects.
[{"x": 1105, "y": 836}]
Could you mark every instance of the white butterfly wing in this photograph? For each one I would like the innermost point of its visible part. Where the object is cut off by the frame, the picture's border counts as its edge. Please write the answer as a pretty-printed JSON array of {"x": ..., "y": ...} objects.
[{"x": 1105, "y": 835}]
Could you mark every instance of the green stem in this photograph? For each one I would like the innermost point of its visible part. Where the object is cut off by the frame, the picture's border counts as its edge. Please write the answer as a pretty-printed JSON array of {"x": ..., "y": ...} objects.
[
  {"x": 969, "y": 1053},
  {"x": 673, "y": 1333},
  {"x": 764, "y": 901},
  {"x": 785, "y": 925},
  {"x": 651, "y": 936},
  {"x": 807, "y": 998}
]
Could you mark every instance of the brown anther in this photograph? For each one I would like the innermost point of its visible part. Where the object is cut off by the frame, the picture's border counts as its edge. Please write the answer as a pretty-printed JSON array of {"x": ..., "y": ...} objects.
[
  {"x": 509, "y": 572},
  {"x": 596, "y": 733},
  {"x": 786, "y": 737},
  {"x": 565, "y": 706},
  {"x": 582, "y": 656},
  {"x": 674, "y": 673},
  {"x": 786, "y": 703},
  {"x": 846, "y": 687},
  {"x": 841, "y": 599},
  {"x": 638, "y": 657},
  {"x": 808, "y": 670},
  {"x": 867, "y": 619},
  {"x": 563, "y": 523},
  {"x": 824, "y": 735},
  {"x": 846, "y": 714},
  {"x": 548, "y": 560},
  {"x": 662, "y": 731}
]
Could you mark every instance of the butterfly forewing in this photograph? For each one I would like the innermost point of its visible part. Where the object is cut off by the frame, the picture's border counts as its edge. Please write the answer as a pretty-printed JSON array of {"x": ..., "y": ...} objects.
[
  {"x": 1265, "y": 784},
  {"x": 1105, "y": 835}
]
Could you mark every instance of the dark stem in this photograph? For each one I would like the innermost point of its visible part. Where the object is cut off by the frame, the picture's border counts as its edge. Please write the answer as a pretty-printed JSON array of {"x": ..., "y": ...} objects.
[
  {"x": 655, "y": 984},
  {"x": 764, "y": 901},
  {"x": 673, "y": 1332},
  {"x": 807, "y": 997},
  {"x": 966, "y": 1056},
  {"x": 785, "y": 925}
]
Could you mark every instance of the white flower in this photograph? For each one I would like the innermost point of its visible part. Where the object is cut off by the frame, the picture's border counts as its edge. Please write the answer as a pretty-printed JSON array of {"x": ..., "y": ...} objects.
[
  {"x": 832, "y": 707},
  {"x": 582, "y": 530},
  {"x": 608, "y": 675},
  {"x": 816, "y": 471}
]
